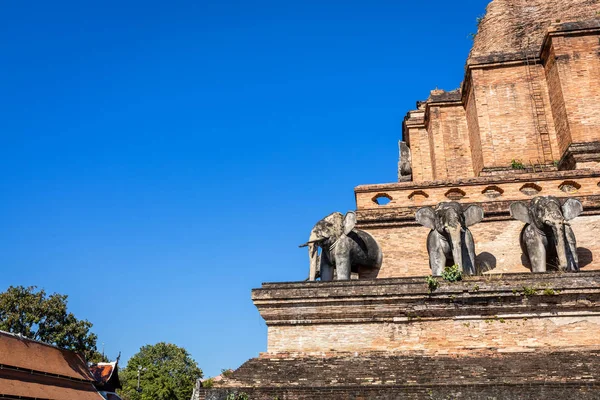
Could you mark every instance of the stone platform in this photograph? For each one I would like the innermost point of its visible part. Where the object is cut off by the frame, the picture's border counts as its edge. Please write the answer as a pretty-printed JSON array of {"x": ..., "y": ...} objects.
[
  {"x": 514, "y": 336},
  {"x": 539, "y": 375},
  {"x": 513, "y": 312}
]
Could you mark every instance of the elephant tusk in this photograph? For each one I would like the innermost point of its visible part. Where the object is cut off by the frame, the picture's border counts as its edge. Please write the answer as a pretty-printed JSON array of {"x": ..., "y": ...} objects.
[{"x": 308, "y": 243}]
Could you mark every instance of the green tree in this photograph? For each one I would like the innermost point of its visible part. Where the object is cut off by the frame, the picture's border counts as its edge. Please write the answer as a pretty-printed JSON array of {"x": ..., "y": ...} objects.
[
  {"x": 35, "y": 315},
  {"x": 167, "y": 372}
]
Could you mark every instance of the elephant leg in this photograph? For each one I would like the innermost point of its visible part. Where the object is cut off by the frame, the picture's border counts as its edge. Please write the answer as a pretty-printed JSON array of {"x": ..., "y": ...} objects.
[
  {"x": 536, "y": 249},
  {"x": 469, "y": 267},
  {"x": 572, "y": 257},
  {"x": 437, "y": 253},
  {"x": 342, "y": 258},
  {"x": 344, "y": 269},
  {"x": 326, "y": 268}
]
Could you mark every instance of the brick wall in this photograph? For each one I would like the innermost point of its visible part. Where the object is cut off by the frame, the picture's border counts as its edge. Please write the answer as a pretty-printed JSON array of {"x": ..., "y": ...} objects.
[
  {"x": 557, "y": 102},
  {"x": 417, "y": 138},
  {"x": 450, "y": 138},
  {"x": 577, "y": 60},
  {"x": 496, "y": 244},
  {"x": 516, "y": 333},
  {"x": 511, "y": 102},
  {"x": 505, "y": 117},
  {"x": 474, "y": 132}
]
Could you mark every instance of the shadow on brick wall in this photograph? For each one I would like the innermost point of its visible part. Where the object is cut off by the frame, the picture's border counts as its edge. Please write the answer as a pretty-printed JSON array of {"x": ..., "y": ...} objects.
[{"x": 485, "y": 262}]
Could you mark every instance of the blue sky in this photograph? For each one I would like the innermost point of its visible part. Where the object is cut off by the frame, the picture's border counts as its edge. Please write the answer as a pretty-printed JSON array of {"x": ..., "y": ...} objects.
[{"x": 161, "y": 159}]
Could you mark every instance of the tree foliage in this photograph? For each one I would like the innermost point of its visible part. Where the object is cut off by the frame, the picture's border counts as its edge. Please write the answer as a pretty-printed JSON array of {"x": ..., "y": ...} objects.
[
  {"x": 35, "y": 315},
  {"x": 167, "y": 372}
]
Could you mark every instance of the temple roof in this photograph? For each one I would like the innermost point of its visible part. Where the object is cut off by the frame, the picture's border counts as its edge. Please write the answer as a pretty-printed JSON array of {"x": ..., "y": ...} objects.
[
  {"x": 106, "y": 375},
  {"x": 27, "y": 354},
  {"x": 103, "y": 371},
  {"x": 511, "y": 27},
  {"x": 31, "y": 369}
]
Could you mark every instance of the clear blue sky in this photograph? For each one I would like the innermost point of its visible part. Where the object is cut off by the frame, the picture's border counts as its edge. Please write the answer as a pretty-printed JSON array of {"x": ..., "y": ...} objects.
[{"x": 161, "y": 159}]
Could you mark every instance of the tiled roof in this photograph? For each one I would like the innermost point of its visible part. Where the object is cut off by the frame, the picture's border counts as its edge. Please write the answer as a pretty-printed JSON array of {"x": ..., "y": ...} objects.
[
  {"x": 32, "y": 355},
  {"x": 34, "y": 370},
  {"x": 19, "y": 384}
]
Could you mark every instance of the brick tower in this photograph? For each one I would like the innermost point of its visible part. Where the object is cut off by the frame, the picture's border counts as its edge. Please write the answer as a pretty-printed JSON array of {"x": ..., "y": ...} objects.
[{"x": 525, "y": 122}]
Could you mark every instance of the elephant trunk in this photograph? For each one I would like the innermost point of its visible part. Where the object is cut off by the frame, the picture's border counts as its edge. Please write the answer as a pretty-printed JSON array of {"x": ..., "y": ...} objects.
[
  {"x": 558, "y": 229},
  {"x": 313, "y": 254},
  {"x": 456, "y": 242}
]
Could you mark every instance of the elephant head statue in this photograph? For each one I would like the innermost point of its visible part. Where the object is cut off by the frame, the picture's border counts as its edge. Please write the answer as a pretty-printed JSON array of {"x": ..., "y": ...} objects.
[
  {"x": 547, "y": 238},
  {"x": 450, "y": 241},
  {"x": 343, "y": 249}
]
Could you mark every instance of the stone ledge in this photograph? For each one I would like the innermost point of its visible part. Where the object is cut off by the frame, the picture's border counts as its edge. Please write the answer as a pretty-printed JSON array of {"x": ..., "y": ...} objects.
[
  {"x": 595, "y": 275},
  {"x": 406, "y": 300}
]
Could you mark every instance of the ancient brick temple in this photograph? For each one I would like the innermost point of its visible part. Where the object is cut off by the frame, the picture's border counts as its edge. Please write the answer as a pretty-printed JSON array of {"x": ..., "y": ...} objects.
[{"x": 525, "y": 122}]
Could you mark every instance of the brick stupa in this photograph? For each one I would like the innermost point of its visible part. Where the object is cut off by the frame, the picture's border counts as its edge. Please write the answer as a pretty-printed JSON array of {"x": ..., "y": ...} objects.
[{"x": 525, "y": 122}]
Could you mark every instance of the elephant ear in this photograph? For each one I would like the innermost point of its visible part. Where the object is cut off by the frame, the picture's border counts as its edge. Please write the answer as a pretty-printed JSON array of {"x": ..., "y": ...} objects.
[
  {"x": 571, "y": 209},
  {"x": 473, "y": 215},
  {"x": 520, "y": 211},
  {"x": 349, "y": 222},
  {"x": 426, "y": 217}
]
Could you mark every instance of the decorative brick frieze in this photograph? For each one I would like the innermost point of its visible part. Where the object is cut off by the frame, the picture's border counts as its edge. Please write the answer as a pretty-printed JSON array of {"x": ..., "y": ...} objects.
[{"x": 432, "y": 193}]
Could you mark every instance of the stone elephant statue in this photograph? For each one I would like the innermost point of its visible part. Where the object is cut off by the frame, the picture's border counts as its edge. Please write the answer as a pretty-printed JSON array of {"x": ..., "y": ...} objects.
[
  {"x": 547, "y": 239},
  {"x": 450, "y": 242},
  {"x": 343, "y": 248}
]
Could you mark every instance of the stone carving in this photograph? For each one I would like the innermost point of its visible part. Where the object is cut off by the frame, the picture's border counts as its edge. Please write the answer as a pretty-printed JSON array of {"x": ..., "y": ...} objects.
[
  {"x": 405, "y": 163},
  {"x": 343, "y": 248},
  {"x": 547, "y": 239},
  {"x": 450, "y": 241}
]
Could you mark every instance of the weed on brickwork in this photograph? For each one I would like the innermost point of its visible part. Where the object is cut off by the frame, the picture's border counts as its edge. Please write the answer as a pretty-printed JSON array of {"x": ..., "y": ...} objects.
[
  {"x": 452, "y": 274},
  {"x": 529, "y": 291},
  {"x": 432, "y": 283},
  {"x": 226, "y": 373},
  {"x": 517, "y": 164}
]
